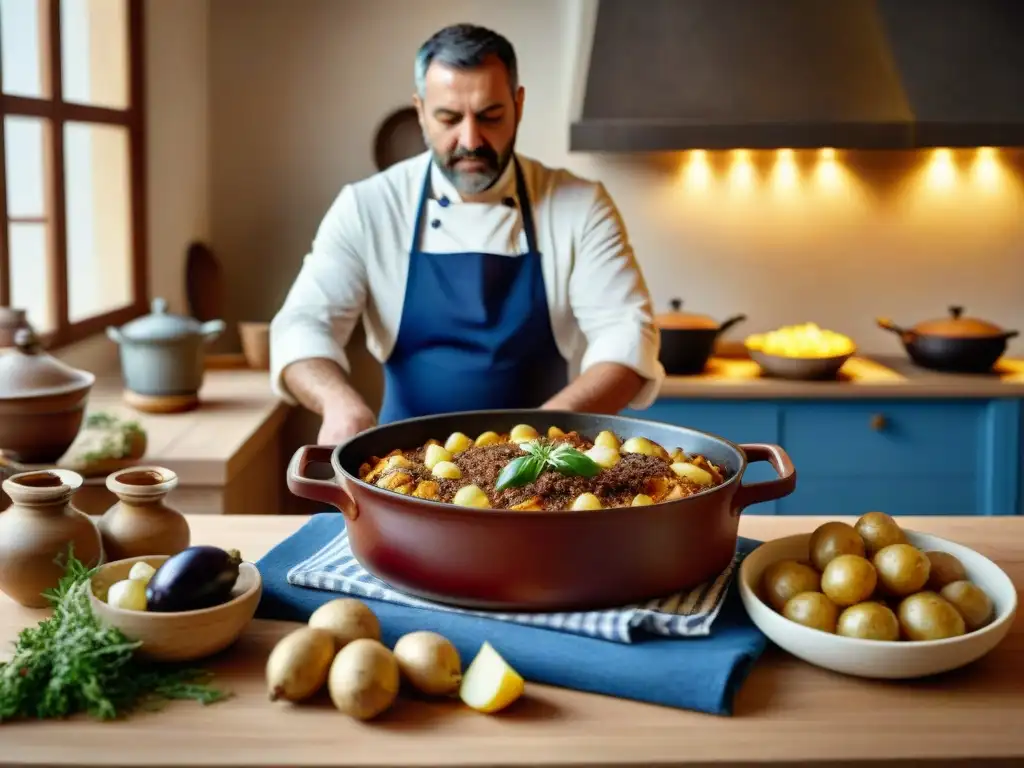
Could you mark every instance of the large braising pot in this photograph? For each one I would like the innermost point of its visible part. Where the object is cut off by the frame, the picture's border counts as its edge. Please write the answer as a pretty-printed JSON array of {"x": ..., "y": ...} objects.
[{"x": 534, "y": 561}]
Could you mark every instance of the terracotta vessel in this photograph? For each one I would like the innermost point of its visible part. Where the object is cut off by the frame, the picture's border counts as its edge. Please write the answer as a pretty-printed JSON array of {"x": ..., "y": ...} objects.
[
  {"x": 496, "y": 559},
  {"x": 42, "y": 402},
  {"x": 141, "y": 524},
  {"x": 37, "y": 530}
]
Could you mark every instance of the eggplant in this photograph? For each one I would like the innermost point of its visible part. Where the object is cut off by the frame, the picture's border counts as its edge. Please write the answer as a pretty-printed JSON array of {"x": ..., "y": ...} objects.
[{"x": 197, "y": 577}]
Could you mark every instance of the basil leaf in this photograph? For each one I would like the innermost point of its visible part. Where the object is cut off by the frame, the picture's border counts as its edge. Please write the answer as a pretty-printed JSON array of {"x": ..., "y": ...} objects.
[
  {"x": 569, "y": 461},
  {"x": 520, "y": 471}
]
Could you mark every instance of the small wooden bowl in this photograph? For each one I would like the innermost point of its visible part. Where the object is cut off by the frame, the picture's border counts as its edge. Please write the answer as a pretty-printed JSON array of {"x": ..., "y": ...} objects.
[{"x": 182, "y": 636}]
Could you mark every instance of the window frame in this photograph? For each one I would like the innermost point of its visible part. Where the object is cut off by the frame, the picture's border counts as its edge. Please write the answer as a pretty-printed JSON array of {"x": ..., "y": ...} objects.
[{"x": 58, "y": 112}]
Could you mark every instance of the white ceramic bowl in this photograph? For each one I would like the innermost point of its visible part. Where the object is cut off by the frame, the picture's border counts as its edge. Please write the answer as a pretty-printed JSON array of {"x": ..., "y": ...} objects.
[{"x": 876, "y": 658}]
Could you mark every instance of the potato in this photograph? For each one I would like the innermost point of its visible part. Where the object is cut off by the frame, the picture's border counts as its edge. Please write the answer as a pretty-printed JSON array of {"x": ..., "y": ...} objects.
[
  {"x": 902, "y": 569},
  {"x": 829, "y": 540},
  {"x": 488, "y": 438},
  {"x": 878, "y": 530},
  {"x": 971, "y": 602},
  {"x": 471, "y": 496},
  {"x": 554, "y": 433},
  {"x": 434, "y": 454},
  {"x": 692, "y": 473},
  {"x": 641, "y": 500},
  {"x": 457, "y": 442},
  {"x": 427, "y": 489},
  {"x": 786, "y": 578},
  {"x": 639, "y": 445},
  {"x": 928, "y": 616},
  {"x": 522, "y": 433},
  {"x": 446, "y": 470},
  {"x": 608, "y": 439},
  {"x": 813, "y": 610},
  {"x": 429, "y": 662},
  {"x": 945, "y": 569},
  {"x": 586, "y": 501},
  {"x": 530, "y": 505},
  {"x": 299, "y": 664},
  {"x": 396, "y": 481},
  {"x": 869, "y": 621},
  {"x": 604, "y": 456},
  {"x": 678, "y": 455},
  {"x": 490, "y": 683},
  {"x": 347, "y": 619},
  {"x": 399, "y": 462},
  {"x": 364, "y": 679},
  {"x": 848, "y": 579}
]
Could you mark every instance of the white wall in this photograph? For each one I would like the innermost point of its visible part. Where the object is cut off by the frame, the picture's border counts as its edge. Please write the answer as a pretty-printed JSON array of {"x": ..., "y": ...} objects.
[{"x": 297, "y": 90}]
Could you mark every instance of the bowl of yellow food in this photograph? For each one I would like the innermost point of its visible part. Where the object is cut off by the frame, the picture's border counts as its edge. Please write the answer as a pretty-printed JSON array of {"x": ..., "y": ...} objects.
[
  {"x": 876, "y": 600},
  {"x": 804, "y": 352}
]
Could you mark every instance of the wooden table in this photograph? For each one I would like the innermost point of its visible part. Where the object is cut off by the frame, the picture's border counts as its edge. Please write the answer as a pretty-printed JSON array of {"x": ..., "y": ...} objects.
[{"x": 787, "y": 711}]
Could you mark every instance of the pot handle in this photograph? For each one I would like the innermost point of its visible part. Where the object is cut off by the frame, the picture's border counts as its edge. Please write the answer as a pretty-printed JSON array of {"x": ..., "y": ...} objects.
[
  {"x": 114, "y": 334},
  {"x": 888, "y": 325},
  {"x": 324, "y": 491},
  {"x": 725, "y": 326},
  {"x": 212, "y": 329},
  {"x": 767, "y": 490}
]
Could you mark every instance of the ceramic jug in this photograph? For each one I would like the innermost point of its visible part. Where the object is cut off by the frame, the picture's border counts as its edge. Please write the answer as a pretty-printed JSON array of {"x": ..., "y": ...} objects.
[
  {"x": 37, "y": 530},
  {"x": 141, "y": 523}
]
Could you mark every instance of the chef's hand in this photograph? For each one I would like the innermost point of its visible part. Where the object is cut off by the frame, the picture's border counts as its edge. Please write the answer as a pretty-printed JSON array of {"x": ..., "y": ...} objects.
[{"x": 343, "y": 422}]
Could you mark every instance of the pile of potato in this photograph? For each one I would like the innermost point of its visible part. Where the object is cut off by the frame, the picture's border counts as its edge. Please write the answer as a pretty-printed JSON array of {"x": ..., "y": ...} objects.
[
  {"x": 340, "y": 647},
  {"x": 867, "y": 581}
]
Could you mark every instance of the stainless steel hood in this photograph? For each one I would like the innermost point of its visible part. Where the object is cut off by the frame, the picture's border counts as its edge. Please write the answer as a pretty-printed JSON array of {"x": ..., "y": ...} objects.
[{"x": 865, "y": 74}]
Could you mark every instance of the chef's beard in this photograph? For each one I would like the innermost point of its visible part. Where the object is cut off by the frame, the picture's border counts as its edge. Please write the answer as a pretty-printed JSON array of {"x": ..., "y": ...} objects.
[{"x": 474, "y": 182}]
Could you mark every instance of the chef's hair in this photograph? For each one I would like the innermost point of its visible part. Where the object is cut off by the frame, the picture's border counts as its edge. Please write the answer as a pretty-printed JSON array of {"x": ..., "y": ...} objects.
[{"x": 465, "y": 46}]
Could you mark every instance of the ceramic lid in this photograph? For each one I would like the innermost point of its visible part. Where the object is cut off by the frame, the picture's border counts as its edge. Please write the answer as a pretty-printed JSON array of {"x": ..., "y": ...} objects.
[
  {"x": 958, "y": 325},
  {"x": 678, "y": 320},
  {"x": 160, "y": 325},
  {"x": 28, "y": 371}
]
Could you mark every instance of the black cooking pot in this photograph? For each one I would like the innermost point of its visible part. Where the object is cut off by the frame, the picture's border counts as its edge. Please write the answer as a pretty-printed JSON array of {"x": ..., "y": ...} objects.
[
  {"x": 954, "y": 344},
  {"x": 688, "y": 340}
]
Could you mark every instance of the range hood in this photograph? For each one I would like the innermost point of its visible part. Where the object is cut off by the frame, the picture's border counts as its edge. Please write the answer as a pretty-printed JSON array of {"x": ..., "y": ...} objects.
[{"x": 860, "y": 74}]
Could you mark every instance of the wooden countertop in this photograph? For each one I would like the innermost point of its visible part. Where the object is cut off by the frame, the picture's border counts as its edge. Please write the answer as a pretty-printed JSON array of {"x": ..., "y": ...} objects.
[
  {"x": 238, "y": 413},
  {"x": 861, "y": 377},
  {"x": 787, "y": 711}
]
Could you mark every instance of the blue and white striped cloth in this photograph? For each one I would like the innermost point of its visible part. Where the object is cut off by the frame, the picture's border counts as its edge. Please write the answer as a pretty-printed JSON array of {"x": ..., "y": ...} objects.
[{"x": 686, "y": 614}]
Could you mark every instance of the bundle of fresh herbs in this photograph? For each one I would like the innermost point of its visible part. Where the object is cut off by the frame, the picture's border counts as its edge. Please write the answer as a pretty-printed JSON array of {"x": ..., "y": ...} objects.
[{"x": 71, "y": 663}]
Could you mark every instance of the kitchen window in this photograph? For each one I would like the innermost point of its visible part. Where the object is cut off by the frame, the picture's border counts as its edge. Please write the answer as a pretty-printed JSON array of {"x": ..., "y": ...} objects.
[{"x": 72, "y": 183}]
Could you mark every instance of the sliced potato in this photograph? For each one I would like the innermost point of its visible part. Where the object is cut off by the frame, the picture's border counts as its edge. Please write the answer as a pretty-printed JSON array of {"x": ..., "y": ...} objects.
[
  {"x": 604, "y": 456},
  {"x": 641, "y": 500},
  {"x": 471, "y": 496},
  {"x": 555, "y": 433},
  {"x": 447, "y": 470},
  {"x": 693, "y": 473},
  {"x": 395, "y": 480},
  {"x": 522, "y": 433},
  {"x": 675, "y": 492},
  {"x": 399, "y": 462},
  {"x": 427, "y": 489},
  {"x": 435, "y": 454},
  {"x": 488, "y": 438},
  {"x": 607, "y": 438},
  {"x": 457, "y": 442},
  {"x": 639, "y": 445},
  {"x": 586, "y": 501},
  {"x": 657, "y": 488},
  {"x": 530, "y": 505}
]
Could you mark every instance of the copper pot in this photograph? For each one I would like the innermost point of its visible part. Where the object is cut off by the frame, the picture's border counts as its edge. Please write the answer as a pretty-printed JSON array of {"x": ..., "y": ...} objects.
[
  {"x": 535, "y": 561},
  {"x": 954, "y": 344}
]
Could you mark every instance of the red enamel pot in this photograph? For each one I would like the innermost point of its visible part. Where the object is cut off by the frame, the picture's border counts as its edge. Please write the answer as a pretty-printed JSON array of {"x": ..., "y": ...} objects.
[{"x": 539, "y": 561}]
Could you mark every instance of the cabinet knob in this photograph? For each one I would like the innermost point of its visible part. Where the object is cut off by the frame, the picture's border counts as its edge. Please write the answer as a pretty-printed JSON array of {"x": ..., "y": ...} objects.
[{"x": 878, "y": 422}]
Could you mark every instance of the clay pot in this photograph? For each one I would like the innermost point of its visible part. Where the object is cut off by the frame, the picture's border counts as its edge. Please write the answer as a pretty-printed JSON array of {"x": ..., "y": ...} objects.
[
  {"x": 37, "y": 530},
  {"x": 42, "y": 402},
  {"x": 141, "y": 524},
  {"x": 11, "y": 321}
]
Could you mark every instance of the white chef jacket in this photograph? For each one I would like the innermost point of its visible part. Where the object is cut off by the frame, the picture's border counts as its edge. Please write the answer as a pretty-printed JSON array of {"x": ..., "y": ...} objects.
[{"x": 598, "y": 301}]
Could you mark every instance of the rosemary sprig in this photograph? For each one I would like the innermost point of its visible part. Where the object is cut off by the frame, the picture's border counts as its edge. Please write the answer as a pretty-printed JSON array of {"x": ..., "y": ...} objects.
[{"x": 71, "y": 662}]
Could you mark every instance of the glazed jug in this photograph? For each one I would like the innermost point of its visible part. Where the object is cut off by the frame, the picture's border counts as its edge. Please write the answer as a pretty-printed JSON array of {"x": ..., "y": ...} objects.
[
  {"x": 141, "y": 523},
  {"x": 37, "y": 531}
]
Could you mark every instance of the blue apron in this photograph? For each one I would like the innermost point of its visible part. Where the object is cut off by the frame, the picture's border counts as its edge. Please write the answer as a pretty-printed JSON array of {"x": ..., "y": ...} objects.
[{"x": 475, "y": 332}]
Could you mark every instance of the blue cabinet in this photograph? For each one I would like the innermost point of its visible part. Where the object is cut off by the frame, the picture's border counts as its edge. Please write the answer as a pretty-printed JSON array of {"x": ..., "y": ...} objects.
[{"x": 901, "y": 456}]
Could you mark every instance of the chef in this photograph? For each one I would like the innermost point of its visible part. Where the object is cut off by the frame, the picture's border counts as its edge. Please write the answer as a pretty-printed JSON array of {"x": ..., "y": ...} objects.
[{"x": 483, "y": 278}]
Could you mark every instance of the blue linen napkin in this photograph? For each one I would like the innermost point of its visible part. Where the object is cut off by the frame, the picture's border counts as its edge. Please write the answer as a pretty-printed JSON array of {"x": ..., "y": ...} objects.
[
  {"x": 685, "y": 614},
  {"x": 696, "y": 673}
]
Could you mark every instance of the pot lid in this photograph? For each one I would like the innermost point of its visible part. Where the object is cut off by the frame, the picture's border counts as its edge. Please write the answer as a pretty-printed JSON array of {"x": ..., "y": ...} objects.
[
  {"x": 160, "y": 325},
  {"x": 678, "y": 320},
  {"x": 28, "y": 371},
  {"x": 958, "y": 325}
]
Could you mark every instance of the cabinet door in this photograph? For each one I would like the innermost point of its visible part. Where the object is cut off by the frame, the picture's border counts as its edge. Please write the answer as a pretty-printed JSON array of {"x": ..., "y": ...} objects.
[{"x": 734, "y": 420}]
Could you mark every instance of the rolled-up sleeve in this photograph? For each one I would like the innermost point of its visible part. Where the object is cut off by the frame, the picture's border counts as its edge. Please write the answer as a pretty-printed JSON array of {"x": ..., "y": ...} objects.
[
  {"x": 327, "y": 298},
  {"x": 611, "y": 302}
]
